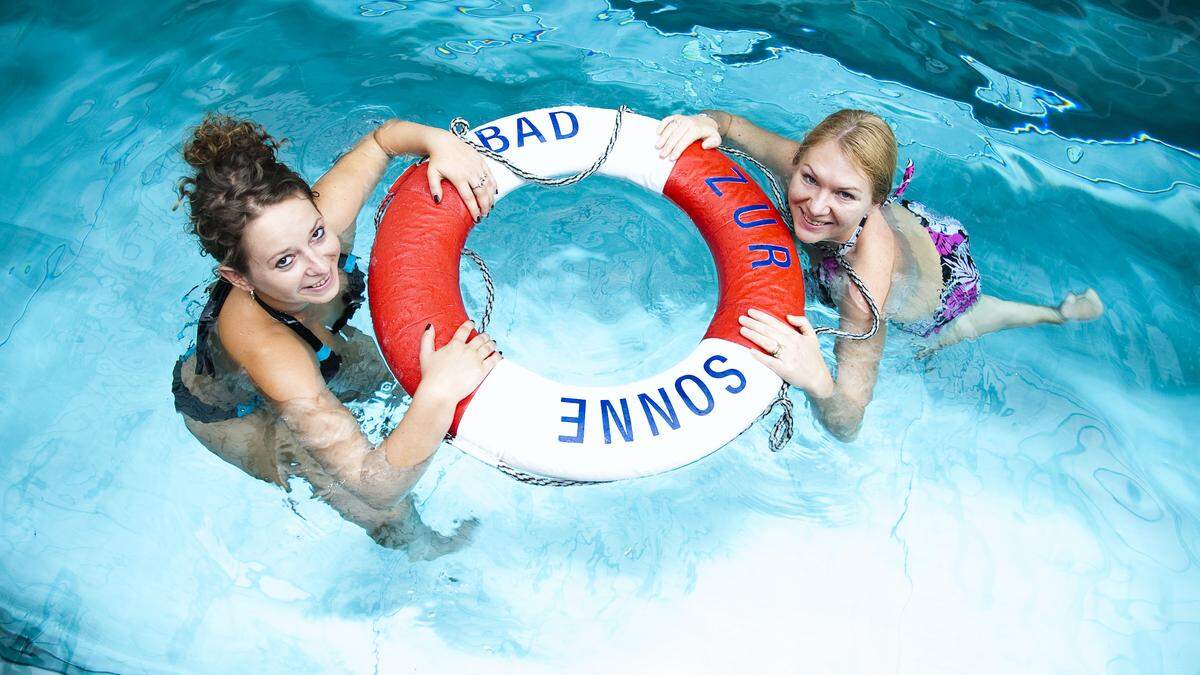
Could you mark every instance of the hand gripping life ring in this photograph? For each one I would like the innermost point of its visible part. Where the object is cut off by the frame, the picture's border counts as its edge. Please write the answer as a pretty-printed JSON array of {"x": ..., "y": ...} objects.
[{"x": 528, "y": 424}]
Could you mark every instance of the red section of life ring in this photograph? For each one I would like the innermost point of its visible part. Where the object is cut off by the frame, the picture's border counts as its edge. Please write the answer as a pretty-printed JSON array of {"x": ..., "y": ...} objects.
[
  {"x": 724, "y": 202},
  {"x": 414, "y": 272}
]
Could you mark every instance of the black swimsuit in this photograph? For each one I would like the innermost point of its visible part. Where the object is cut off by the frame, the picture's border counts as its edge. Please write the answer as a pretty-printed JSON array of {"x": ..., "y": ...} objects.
[{"x": 190, "y": 405}]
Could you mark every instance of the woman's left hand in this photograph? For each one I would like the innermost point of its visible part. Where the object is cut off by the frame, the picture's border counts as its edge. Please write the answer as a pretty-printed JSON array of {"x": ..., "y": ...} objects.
[
  {"x": 459, "y": 163},
  {"x": 793, "y": 353},
  {"x": 677, "y": 132}
]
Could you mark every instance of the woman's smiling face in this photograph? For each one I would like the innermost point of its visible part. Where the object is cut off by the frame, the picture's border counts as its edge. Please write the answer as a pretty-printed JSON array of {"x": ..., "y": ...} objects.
[
  {"x": 291, "y": 257},
  {"x": 828, "y": 195}
]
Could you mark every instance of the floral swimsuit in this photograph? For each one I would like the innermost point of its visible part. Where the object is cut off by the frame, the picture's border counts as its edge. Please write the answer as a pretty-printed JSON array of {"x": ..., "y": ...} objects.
[{"x": 960, "y": 278}]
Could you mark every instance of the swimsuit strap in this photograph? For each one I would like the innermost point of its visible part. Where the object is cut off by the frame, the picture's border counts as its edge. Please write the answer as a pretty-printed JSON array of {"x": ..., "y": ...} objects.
[
  {"x": 330, "y": 362},
  {"x": 839, "y": 249},
  {"x": 217, "y": 294},
  {"x": 353, "y": 296},
  {"x": 908, "y": 174}
]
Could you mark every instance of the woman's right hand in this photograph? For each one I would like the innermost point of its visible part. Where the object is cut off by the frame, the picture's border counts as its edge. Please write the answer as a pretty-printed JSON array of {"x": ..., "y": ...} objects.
[
  {"x": 453, "y": 159},
  {"x": 792, "y": 351},
  {"x": 457, "y": 369},
  {"x": 677, "y": 132}
]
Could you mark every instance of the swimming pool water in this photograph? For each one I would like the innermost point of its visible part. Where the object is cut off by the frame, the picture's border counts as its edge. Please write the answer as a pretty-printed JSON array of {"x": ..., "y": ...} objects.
[{"x": 1025, "y": 503}]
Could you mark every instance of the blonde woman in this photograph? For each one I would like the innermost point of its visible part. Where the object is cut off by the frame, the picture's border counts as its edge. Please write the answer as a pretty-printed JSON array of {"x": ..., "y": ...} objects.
[{"x": 875, "y": 258}]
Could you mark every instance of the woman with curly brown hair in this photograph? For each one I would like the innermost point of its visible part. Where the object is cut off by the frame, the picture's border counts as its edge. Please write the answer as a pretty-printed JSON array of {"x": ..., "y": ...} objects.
[{"x": 274, "y": 356}]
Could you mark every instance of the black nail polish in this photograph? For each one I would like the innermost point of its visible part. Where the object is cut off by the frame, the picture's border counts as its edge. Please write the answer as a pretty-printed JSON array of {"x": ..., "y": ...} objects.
[
  {"x": 437, "y": 199},
  {"x": 428, "y": 326}
]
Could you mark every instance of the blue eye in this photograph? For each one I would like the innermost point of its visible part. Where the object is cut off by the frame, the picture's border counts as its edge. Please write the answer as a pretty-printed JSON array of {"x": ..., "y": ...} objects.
[
  {"x": 809, "y": 179},
  {"x": 845, "y": 195},
  {"x": 319, "y": 232}
]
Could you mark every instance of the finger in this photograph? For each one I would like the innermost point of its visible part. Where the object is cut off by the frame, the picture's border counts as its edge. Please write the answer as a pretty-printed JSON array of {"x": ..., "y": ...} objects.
[
  {"x": 477, "y": 341},
  {"x": 711, "y": 141},
  {"x": 487, "y": 196},
  {"x": 755, "y": 324},
  {"x": 801, "y": 323},
  {"x": 463, "y": 332},
  {"x": 427, "y": 341},
  {"x": 673, "y": 140},
  {"x": 490, "y": 362},
  {"x": 481, "y": 194},
  {"x": 767, "y": 344},
  {"x": 435, "y": 184},
  {"x": 776, "y": 366},
  {"x": 768, "y": 319},
  {"x": 468, "y": 197},
  {"x": 680, "y": 146},
  {"x": 667, "y": 122},
  {"x": 767, "y": 360},
  {"x": 682, "y": 143},
  {"x": 667, "y": 139}
]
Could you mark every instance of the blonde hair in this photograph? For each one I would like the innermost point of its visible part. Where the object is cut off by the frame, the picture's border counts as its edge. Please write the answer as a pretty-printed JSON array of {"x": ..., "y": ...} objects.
[{"x": 866, "y": 139}]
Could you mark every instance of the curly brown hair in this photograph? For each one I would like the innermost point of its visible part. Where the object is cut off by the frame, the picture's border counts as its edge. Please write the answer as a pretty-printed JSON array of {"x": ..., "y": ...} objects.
[{"x": 237, "y": 175}]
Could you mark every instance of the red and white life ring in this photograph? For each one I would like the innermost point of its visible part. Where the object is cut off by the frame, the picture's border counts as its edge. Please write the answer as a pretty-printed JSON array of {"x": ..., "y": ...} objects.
[{"x": 540, "y": 427}]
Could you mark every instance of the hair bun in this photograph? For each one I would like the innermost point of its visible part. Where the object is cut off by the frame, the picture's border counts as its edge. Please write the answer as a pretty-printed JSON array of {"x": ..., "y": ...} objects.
[
  {"x": 236, "y": 176},
  {"x": 221, "y": 140}
]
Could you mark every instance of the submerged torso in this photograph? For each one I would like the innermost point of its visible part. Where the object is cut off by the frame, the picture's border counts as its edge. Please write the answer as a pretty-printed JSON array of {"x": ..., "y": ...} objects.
[
  {"x": 916, "y": 288},
  {"x": 260, "y": 443}
]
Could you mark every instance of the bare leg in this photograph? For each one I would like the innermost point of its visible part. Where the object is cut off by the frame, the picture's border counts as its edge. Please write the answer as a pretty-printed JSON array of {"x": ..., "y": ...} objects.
[{"x": 992, "y": 314}]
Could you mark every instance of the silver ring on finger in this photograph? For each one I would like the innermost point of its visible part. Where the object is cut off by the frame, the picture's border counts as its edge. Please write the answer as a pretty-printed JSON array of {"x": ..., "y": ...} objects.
[
  {"x": 481, "y": 183},
  {"x": 778, "y": 349}
]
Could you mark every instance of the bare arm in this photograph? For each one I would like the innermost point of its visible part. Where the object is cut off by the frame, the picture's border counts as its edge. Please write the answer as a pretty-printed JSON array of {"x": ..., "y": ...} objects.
[
  {"x": 793, "y": 351},
  {"x": 767, "y": 147},
  {"x": 343, "y": 190},
  {"x": 841, "y": 412},
  {"x": 286, "y": 372},
  {"x": 379, "y": 476}
]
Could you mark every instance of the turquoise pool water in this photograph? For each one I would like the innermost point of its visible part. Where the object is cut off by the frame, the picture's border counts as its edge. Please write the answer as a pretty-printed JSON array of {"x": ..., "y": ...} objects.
[{"x": 1023, "y": 504}]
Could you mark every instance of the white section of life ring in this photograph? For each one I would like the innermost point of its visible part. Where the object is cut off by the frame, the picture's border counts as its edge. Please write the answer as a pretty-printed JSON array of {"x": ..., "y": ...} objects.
[
  {"x": 542, "y": 427},
  {"x": 531, "y": 140}
]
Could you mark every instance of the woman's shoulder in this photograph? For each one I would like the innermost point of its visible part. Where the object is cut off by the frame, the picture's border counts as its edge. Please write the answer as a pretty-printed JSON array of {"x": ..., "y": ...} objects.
[
  {"x": 277, "y": 361},
  {"x": 877, "y": 245},
  {"x": 874, "y": 263},
  {"x": 247, "y": 332}
]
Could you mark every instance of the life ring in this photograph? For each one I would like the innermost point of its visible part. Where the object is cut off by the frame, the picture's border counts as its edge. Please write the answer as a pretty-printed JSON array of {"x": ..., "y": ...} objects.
[{"x": 525, "y": 423}]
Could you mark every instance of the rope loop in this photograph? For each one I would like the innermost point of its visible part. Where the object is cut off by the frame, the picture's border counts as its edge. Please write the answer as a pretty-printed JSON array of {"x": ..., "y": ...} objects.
[
  {"x": 781, "y": 433},
  {"x": 489, "y": 286},
  {"x": 542, "y": 481}
]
